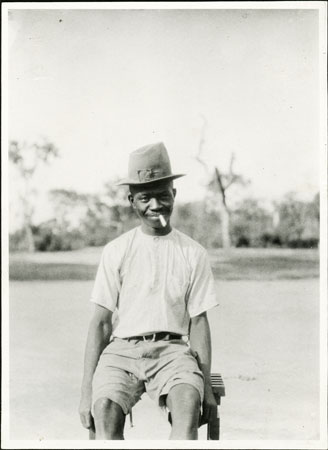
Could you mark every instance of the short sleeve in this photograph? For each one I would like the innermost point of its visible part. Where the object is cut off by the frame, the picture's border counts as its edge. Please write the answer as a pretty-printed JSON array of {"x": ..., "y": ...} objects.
[
  {"x": 106, "y": 287},
  {"x": 202, "y": 295}
]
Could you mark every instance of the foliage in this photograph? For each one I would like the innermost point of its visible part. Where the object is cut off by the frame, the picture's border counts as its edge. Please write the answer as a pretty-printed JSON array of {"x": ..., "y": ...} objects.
[
  {"x": 83, "y": 219},
  {"x": 49, "y": 236},
  {"x": 268, "y": 239},
  {"x": 198, "y": 222},
  {"x": 248, "y": 222},
  {"x": 298, "y": 220},
  {"x": 18, "y": 241},
  {"x": 27, "y": 158}
]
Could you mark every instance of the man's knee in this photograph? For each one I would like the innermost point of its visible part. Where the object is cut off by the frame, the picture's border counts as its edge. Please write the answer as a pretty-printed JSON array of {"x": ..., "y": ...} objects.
[
  {"x": 184, "y": 398},
  {"x": 109, "y": 419},
  {"x": 108, "y": 411},
  {"x": 183, "y": 401}
]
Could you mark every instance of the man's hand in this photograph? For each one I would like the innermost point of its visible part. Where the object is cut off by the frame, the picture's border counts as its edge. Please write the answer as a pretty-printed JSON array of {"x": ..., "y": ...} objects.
[
  {"x": 85, "y": 410},
  {"x": 200, "y": 343},
  {"x": 209, "y": 405},
  {"x": 100, "y": 330}
]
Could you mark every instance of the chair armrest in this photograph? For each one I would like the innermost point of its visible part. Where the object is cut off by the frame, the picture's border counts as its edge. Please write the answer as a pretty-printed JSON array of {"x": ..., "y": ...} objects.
[{"x": 217, "y": 386}]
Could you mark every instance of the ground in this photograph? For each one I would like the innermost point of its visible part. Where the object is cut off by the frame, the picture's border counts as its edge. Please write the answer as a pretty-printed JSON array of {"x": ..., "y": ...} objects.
[{"x": 265, "y": 344}]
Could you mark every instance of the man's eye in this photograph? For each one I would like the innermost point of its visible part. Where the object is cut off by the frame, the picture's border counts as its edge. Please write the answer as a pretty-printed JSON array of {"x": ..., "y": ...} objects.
[{"x": 144, "y": 199}]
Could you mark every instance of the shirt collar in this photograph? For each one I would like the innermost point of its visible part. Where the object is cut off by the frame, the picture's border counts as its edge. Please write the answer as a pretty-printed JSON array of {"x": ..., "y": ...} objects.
[{"x": 151, "y": 237}]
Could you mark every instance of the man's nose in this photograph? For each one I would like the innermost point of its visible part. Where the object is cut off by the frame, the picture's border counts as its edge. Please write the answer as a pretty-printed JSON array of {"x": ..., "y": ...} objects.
[{"x": 155, "y": 204}]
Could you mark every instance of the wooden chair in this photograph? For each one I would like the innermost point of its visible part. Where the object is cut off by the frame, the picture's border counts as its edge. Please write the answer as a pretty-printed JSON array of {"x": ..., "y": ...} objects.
[{"x": 213, "y": 428}]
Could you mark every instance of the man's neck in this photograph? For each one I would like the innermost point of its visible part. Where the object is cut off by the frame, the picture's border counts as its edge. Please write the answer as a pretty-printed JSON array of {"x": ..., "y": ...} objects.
[{"x": 156, "y": 231}]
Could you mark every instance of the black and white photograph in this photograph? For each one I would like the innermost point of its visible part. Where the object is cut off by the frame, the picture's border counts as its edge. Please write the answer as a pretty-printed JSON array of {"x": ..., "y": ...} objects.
[{"x": 164, "y": 225}]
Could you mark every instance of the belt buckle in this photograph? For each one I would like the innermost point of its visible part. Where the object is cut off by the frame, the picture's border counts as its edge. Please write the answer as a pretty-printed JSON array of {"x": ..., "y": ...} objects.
[{"x": 144, "y": 337}]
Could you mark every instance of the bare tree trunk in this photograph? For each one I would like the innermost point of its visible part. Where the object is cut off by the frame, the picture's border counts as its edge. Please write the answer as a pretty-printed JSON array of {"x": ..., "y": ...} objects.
[
  {"x": 28, "y": 213},
  {"x": 29, "y": 238},
  {"x": 225, "y": 228},
  {"x": 223, "y": 181},
  {"x": 224, "y": 212}
]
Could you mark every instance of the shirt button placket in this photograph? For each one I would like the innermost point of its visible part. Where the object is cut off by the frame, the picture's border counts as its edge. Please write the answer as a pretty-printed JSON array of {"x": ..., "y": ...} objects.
[{"x": 156, "y": 251}]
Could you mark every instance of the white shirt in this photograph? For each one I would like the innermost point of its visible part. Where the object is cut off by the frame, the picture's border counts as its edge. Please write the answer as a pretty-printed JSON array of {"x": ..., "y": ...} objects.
[{"x": 154, "y": 283}]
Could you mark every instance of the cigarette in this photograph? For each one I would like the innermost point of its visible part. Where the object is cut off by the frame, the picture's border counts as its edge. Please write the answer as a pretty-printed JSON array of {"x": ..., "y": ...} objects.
[{"x": 162, "y": 220}]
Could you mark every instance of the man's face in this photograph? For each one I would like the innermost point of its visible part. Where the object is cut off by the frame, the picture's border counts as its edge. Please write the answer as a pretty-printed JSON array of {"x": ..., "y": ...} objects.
[{"x": 149, "y": 201}]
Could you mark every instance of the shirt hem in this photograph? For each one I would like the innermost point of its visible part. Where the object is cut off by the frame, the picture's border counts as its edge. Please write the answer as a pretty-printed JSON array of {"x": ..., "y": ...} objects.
[
  {"x": 205, "y": 309},
  {"x": 103, "y": 304}
]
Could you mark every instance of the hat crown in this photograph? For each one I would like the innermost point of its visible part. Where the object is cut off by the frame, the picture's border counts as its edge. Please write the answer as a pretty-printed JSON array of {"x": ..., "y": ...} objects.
[{"x": 149, "y": 163}]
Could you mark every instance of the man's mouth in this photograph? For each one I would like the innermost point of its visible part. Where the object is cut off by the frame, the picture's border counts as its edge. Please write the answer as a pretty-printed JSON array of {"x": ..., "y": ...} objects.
[
  {"x": 156, "y": 214},
  {"x": 158, "y": 217}
]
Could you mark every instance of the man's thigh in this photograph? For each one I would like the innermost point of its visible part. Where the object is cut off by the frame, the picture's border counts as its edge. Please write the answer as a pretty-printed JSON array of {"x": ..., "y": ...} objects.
[
  {"x": 176, "y": 366},
  {"x": 118, "y": 385}
]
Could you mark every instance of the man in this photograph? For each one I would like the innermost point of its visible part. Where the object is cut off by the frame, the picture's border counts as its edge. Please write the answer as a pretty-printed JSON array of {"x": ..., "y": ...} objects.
[{"x": 159, "y": 284}]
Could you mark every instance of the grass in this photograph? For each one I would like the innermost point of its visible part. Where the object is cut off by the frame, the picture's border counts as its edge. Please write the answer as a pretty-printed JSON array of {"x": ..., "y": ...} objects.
[
  {"x": 24, "y": 271},
  {"x": 265, "y": 264},
  {"x": 235, "y": 264}
]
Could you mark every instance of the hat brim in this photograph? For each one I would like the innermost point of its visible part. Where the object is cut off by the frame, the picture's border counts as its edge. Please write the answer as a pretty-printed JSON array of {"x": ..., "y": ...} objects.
[{"x": 127, "y": 182}]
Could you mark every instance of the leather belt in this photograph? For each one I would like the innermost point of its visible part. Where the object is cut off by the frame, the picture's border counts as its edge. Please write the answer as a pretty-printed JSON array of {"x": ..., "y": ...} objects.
[{"x": 162, "y": 336}]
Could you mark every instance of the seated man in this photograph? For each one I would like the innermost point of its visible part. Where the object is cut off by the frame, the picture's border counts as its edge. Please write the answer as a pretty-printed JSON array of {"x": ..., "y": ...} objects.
[{"x": 159, "y": 283}]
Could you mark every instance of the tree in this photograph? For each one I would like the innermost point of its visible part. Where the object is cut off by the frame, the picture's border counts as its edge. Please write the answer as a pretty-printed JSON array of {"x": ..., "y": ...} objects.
[
  {"x": 93, "y": 218},
  {"x": 116, "y": 197},
  {"x": 314, "y": 208},
  {"x": 81, "y": 218},
  {"x": 298, "y": 220},
  {"x": 250, "y": 223},
  {"x": 194, "y": 219},
  {"x": 27, "y": 158},
  {"x": 218, "y": 184}
]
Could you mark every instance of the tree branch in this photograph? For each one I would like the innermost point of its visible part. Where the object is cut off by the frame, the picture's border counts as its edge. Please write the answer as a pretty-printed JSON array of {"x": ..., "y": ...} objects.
[
  {"x": 201, "y": 145},
  {"x": 221, "y": 187},
  {"x": 232, "y": 160}
]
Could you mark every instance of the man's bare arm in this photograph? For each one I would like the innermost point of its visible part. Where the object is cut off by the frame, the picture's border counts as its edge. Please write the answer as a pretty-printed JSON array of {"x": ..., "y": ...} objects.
[
  {"x": 200, "y": 342},
  {"x": 100, "y": 330}
]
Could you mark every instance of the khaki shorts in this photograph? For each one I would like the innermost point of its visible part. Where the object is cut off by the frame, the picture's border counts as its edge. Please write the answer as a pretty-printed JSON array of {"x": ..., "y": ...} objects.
[{"x": 127, "y": 369}]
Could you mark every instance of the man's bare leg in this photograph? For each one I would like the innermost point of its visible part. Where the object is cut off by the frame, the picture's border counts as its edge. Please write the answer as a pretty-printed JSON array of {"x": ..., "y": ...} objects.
[
  {"x": 184, "y": 404},
  {"x": 109, "y": 420}
]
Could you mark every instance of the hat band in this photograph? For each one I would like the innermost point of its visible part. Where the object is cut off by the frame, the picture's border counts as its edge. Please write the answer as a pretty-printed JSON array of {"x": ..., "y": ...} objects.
[{"x": 145, "y": 175}]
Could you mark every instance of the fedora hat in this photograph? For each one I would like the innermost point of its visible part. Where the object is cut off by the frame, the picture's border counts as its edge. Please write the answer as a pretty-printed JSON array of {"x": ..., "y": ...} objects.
[{"x": 149, "y": 164}]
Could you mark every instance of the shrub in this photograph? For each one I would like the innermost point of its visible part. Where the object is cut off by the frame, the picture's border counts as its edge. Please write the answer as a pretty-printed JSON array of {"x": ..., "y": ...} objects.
[
  {"x": 303, "y": 243},
  {"x": 18, "y": 241},
  {"x": 243, "y": 241},
  {"x": 270, "y": 240}
]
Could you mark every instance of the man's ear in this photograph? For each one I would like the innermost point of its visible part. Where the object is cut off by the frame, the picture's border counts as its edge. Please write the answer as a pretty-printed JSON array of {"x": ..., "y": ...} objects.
[{"x": 131, "y": 200}]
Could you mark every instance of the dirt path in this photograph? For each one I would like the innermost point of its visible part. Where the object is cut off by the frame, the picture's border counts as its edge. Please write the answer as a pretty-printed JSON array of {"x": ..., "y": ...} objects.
[{"x": 265, "y": 341}]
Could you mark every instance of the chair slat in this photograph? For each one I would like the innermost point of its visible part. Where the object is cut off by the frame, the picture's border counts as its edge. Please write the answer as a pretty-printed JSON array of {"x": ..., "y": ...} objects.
[{"x": 217, "y": 384}]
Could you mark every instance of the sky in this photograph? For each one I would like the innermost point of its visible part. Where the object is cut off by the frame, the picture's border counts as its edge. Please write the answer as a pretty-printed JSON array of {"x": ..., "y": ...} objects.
[{"x": 102, "y": 83}]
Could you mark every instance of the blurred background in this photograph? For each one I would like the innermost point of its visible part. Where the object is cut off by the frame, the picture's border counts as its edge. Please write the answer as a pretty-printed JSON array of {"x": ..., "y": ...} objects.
[{"x": 233, "y": 94}]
